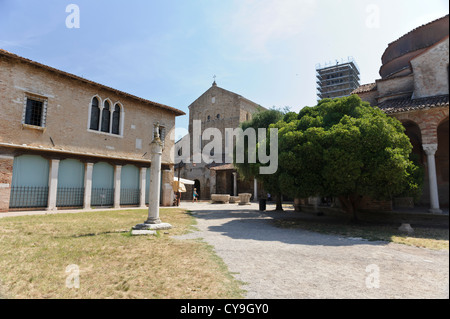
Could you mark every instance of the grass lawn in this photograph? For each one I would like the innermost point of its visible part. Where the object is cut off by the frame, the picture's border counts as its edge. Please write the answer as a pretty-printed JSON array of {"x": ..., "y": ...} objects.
[
  {"x": 425, "y": 237},
  {"x": 35, "y": 251}
]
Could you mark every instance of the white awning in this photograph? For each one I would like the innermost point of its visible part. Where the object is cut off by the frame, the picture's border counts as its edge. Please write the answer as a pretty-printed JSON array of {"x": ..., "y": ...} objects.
[{"x": 184, "y": 181}]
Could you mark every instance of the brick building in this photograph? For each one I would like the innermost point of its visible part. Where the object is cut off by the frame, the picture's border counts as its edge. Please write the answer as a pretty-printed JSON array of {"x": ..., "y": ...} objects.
[
  {"x": 414, "y": 88},
  {"x": 220, "y": 109},
  {"x": 69, "y": 142}
]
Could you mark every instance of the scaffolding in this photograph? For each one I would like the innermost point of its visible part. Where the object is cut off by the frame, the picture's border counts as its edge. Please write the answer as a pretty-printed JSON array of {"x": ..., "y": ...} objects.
[{"x": 337, "y": 79}]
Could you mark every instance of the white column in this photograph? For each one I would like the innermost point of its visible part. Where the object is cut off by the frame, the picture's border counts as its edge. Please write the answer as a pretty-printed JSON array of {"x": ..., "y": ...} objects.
[
  {"x": 52, "y": 184},
  {"x": 255, "y": 190},
  {"x": 142, "y": 184},
  {"x": 117, "y": 179},
  {"x": 88, "y": 169},
  {"x": 234, "y": 184},
  {"x": 430, "y": 150},
  {"x": 153, "y": 222},
  {"x": 155, "y": 178}
]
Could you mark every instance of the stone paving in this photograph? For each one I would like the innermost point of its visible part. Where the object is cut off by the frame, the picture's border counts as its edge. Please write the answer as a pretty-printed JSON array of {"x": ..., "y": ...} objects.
[{"x": 278, "y": 263}]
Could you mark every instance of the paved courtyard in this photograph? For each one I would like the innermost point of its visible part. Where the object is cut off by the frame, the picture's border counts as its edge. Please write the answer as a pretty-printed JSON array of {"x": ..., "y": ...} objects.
[{"x": 280, "y": 263}]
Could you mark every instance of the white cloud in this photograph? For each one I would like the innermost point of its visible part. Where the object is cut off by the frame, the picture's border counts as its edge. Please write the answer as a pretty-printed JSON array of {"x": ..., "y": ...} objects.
[{"x": 257, "y": 23}]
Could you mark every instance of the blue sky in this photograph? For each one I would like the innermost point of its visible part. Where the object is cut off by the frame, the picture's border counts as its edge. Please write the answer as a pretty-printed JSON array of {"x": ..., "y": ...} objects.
[{"x": 168, "y": 51}]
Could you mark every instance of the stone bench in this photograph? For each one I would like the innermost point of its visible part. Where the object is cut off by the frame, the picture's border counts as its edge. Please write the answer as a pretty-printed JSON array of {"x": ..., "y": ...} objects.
[
  {"x": 244, "y": 198},
  {"x": 234, "y": 199},
  {"x": 220, "y": 198}
]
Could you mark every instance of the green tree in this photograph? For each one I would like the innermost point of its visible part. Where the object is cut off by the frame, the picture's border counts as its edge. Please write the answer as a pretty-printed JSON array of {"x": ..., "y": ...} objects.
[
  {"x": 248, "y": 171},
  {"x": 346, "y": 149}
]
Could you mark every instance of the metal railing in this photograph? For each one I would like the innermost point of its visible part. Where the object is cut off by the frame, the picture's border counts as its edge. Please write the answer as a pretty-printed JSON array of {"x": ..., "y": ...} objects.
[
  {"x": 28, "y": 197},
  {"x": 102, "y": 197},
  {"x": 70, "y": 197},
  {"x": 129, "y": 196}
]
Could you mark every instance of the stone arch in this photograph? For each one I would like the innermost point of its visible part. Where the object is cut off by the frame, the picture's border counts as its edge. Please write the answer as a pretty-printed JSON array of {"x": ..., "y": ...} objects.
[
  {"x": 197, "y": 186},
  {"x": 413, "y": 131}
]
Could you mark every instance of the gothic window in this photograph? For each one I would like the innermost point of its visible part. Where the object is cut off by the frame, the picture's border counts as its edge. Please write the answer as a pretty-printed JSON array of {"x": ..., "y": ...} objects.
[
  {"x": 95, "y": 114},
  {"x": 106, "y": 117},
  {"x": 218, "y": 116},
  {"x": 116, "y": 120}
]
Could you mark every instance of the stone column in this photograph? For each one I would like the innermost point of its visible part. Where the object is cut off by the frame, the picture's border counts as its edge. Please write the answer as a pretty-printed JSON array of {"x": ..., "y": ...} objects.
[
  {"x": 88, "y": 169},
  {"x": 153, "y": 222},
  {"x": 142, "y": 184},
  {"x": 430, "y": 150},
  {"x": 255, "y": 190},
  {"x": 234, "y": 184},
  {"x": 212, "y": 182},
  {"x": 167, "y": 190},
  {"x": 52, "y": 184},
  {"x": 117, "y": 179}
]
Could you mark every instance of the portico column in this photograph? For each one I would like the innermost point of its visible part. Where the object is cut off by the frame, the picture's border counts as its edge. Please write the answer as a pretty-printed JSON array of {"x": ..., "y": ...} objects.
[
  {"x": 255, "y": 189},
  {"x": 142, "y": 183},
  {"x": 234, "y": 184},
  {"x": 52, "y": 184},
  {"x": 117, "y": 179},
  {"x": 430, "y": 150},
  {"x": 88, "y": 169}
]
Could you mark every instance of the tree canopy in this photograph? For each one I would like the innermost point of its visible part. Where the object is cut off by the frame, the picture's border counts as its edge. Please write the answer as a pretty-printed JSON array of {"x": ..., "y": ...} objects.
[{"x": 342, "y": 148}]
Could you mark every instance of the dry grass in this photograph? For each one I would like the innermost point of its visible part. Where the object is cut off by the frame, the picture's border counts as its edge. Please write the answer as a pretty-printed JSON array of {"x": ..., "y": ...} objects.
[
  {"x": 35, "y": 251},
  {"x": 424, "y": 237}
]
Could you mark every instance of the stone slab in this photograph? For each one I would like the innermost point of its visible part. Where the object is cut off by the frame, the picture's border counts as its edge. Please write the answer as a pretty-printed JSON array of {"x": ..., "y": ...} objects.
[
  {"x": 136, "y": 232},
  {"x": 161, "y": 226}
]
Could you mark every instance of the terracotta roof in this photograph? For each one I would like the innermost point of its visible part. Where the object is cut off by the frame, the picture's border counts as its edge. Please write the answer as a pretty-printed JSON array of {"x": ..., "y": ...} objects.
[
  {"x": 408, "y": 104},
  {"x": 222, "y": 167},
  {"x": 75, "y": 77},
  {"x": 365, "y": 88},
  {"x": 415, "y": 29}
]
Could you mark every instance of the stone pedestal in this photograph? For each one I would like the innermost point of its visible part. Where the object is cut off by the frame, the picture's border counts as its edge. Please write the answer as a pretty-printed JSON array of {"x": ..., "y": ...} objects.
[{"x": 244, "y": 198}]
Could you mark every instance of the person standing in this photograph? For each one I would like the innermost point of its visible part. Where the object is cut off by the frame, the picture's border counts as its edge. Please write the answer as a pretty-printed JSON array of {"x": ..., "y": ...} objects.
[{"x": 195, "y": 195}]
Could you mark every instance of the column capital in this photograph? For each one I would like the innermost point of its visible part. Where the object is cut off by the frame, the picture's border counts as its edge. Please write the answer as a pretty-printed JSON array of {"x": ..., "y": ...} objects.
[{"x": 430, "y": 149}]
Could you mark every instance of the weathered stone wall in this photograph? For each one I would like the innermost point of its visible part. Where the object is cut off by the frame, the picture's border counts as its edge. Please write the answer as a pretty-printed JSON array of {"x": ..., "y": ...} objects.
[
  {"x": 395, "y": 87},
  {"x": 431, "y": 71}
]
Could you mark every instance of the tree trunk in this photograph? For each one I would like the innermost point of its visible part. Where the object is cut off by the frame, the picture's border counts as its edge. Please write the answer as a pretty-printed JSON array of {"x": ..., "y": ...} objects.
[
  {"x": 350, "y": 205},
  {"x": 279, "y": 202}
]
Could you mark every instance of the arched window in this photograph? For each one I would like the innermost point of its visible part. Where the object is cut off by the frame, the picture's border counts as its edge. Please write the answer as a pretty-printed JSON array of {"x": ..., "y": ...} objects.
[
  {"x": 218, "y": 116},
  {"x": 106, "y": 117},
  {"x": 116, "y": 120},
  {"x": 95, "y": 114}
]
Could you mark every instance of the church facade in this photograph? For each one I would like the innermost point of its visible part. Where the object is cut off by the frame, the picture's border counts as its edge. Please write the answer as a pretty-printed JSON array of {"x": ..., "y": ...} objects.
[{"x": 219, "y": 109}]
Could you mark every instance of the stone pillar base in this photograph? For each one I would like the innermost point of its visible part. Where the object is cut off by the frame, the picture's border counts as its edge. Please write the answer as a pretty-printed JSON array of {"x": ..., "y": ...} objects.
[
  {"x": 145, "y": 226},
  {"x": 435, "y": 210}
]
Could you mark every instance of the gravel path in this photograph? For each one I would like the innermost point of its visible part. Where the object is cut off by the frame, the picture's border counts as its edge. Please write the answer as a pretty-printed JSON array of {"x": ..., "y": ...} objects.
[{"x": 292, "y": 263}]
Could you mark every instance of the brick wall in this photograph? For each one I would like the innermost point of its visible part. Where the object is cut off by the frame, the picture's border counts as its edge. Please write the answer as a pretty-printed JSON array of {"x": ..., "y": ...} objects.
[
  {"x": 68, "y": 114},
  {"x": 6, "y": 167}
]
